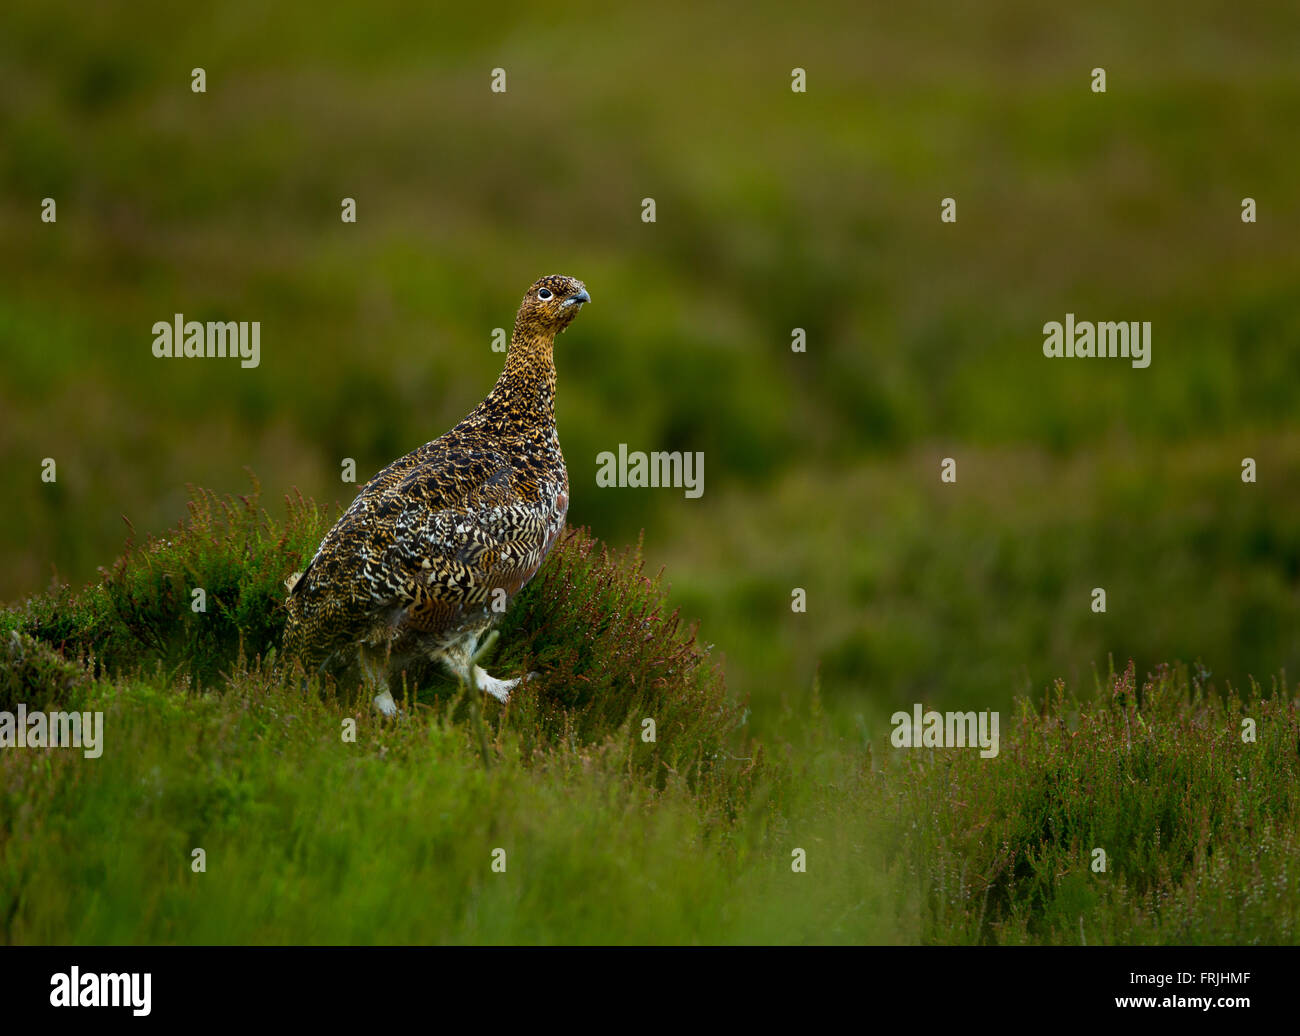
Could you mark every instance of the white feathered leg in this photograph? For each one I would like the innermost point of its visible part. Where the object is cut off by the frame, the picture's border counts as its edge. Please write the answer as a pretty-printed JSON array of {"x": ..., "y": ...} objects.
[
  {"x": 459, "y": 658},
  {"x": 374, "y": 671}
]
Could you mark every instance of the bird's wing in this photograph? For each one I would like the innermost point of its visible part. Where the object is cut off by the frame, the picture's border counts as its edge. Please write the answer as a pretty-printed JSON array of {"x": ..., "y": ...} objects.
[
  {"x": 429, "y": 538},
  {"x": 454, "y": 548}
]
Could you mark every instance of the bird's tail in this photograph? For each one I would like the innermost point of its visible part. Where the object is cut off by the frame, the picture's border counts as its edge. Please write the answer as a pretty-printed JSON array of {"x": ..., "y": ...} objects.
[{"x": 296, "y": 649}]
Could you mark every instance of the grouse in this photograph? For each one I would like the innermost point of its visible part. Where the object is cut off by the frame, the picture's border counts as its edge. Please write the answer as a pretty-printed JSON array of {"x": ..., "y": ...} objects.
[{"x": 435, "y": 546}]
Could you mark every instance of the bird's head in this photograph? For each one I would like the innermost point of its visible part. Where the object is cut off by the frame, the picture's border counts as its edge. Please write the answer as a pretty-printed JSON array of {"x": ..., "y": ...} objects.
[{"x": 551, "y": 304}]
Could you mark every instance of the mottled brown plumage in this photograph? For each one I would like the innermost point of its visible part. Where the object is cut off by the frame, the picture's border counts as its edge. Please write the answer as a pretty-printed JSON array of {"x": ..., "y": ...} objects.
[{"x": 434, "y": 547}]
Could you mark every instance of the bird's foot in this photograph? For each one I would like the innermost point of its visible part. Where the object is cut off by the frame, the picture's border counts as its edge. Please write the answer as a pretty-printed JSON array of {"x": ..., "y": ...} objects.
[
  {"x": 499, "y": 689},
  {"x": 385, "y": 704}
]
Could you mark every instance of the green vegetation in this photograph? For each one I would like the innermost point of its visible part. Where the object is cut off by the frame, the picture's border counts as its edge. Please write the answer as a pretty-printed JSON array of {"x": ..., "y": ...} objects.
[
  {"x": 775, "y": 211},
  {"x": 1200, "y": 828},
  {"x": 311, "y": 836}
]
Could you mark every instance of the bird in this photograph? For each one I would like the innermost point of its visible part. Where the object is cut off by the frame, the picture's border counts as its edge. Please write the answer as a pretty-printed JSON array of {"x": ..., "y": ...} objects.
[{"x": 429, "y": 554}]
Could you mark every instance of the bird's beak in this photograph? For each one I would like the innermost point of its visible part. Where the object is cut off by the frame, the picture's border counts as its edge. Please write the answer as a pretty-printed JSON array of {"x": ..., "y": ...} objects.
[{"x": 581, "y": 297}]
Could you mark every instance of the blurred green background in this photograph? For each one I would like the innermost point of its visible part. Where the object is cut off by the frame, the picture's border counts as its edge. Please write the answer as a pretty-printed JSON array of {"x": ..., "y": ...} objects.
[{"x": 775, "y": 210}]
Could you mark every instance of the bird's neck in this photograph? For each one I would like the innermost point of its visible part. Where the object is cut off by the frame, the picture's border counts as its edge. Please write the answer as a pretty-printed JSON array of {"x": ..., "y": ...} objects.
[{"x": 527, "y": 385}]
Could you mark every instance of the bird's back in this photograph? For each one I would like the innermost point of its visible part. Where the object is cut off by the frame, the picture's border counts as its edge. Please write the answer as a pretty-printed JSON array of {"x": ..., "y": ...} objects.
[{"x": 428, "y": 540}]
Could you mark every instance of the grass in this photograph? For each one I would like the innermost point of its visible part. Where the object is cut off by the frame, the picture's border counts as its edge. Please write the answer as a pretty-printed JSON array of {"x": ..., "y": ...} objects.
[
  {"x": 321, "y": 823},
  {"x": 1198, "y": 825}
]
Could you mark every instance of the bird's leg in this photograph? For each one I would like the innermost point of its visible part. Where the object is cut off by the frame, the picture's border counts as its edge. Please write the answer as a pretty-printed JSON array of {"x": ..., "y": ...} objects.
[
  {"x": 499, "y": 689},
  {"x": 374, "y": 671},
  {"x": 459, "y": 658}
]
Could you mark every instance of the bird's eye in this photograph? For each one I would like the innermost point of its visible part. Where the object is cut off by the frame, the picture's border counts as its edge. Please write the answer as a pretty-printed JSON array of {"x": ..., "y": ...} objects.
[{"x": 544, "y": 293}]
